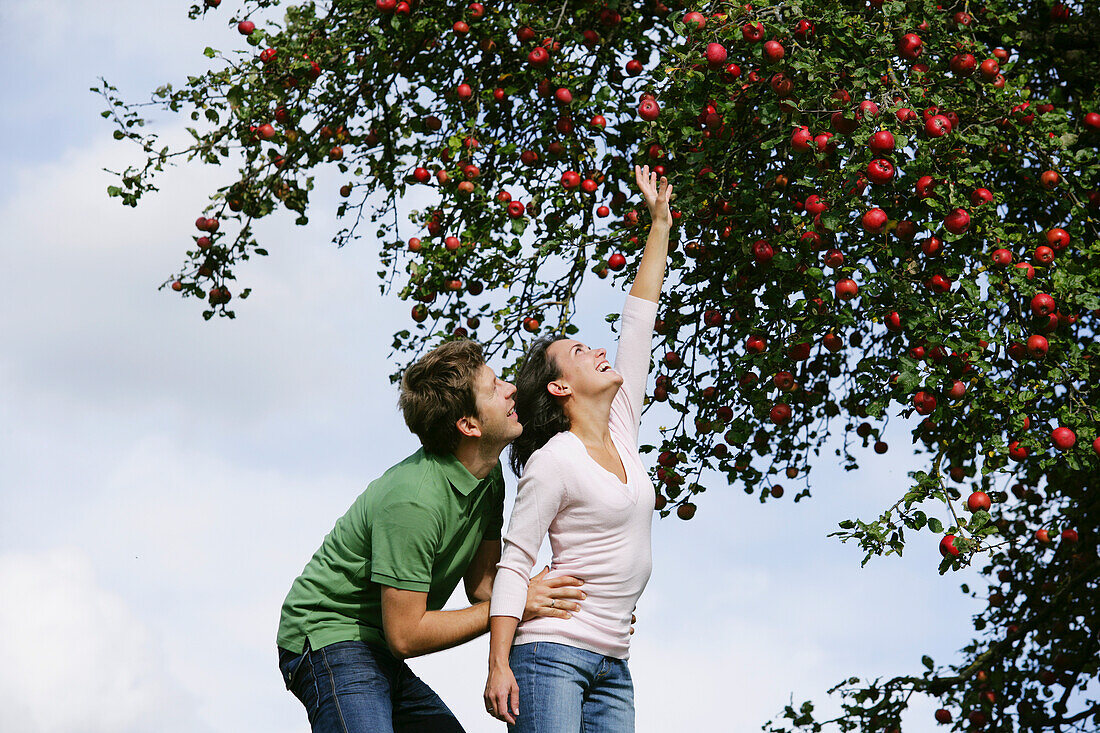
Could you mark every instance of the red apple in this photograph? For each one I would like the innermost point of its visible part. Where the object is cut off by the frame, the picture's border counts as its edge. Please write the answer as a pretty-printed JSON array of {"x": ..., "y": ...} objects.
[
  {"x": 1016, "y": 451},
  {"x": 978, "y": 501},
  {"x": 695, "y": 20},
  {"x": 947, "y": 547},
  {"x": 1037, "y": 346},
  {"x": 762, "y": 252},
  {"x": 753, "y": 32},
  {"x": 649, "y": 110},
  {"x": 958, "y": 221},
  {"x": 1049, "y": 179},
  {"x": 1058, "y": 239},
  {"x": 924, "y": 187},
  {"x": 780, "y": 413},
  {"x": 773, "y": 50},
  {"x": 932, "y": 247},
  {"x": 981, "y": 196},
  {"x": 757, "y": 345},
  {"x": 245, "y": 27},
  {"x": 882, "y": 141},
  {"x": 1063, "y": 438},
  {"x": 716, "y": 55},
  {"x": 880, "y": 171},
  {"x": 834, "y": 258},
  {"x": 874, "y": 221},
  {"x": 1042, "y": 304},
  {"x": 963, "y": 64},
  {"x": 846, "y": 289},
  {"x": 937, "y": 126},
  {"x": 616, "y": 262},
  {"x": 801, "y": 138},
  {"x": 910, "y": 46},
  {"x": 538, "y": 56},
  {"x": 924, "y": 403}
]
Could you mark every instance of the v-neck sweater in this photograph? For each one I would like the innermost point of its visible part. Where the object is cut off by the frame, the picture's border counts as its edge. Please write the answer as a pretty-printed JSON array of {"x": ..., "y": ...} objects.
[{"x": 599, "y": 527}]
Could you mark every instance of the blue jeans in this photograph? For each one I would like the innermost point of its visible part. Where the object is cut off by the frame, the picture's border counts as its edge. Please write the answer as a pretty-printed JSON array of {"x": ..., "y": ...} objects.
[
  {"x": 563, "y": 689},
  {"x": 350, "y": 687}
]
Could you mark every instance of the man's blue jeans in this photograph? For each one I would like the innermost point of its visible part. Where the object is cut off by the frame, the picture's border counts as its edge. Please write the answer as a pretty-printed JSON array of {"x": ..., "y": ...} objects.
[
  {"x": 350, "y": 687},
  {"x": 563, "y": 689}
]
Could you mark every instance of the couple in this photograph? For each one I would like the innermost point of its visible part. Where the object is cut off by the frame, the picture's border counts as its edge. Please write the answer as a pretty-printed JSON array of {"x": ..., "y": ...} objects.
[{"x": 372, "y": 593}]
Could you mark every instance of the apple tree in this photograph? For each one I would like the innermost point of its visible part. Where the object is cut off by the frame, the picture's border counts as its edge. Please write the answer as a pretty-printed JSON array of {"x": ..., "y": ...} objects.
[{"x": 883, "y": 209}]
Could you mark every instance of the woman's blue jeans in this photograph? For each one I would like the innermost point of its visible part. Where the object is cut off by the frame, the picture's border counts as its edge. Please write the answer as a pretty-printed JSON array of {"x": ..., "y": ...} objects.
[{"x": 563, "y": 689}]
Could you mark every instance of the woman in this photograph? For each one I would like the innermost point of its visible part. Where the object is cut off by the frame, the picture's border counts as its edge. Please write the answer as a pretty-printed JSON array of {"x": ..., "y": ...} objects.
[{"x": 584, "y": 483}]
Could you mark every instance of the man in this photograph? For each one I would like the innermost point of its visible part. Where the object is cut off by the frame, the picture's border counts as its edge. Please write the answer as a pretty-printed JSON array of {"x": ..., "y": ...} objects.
[{"x": 372, "y": 593}]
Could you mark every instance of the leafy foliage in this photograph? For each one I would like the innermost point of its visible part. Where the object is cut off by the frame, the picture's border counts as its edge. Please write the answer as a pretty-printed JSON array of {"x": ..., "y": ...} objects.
[{"x": 825, "y": 275}]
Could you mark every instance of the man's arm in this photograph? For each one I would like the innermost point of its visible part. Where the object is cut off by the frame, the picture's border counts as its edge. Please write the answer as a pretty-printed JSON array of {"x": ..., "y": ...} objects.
[
  {"x": 483, "y": 568},
  {"x": 412, "y": 630}
]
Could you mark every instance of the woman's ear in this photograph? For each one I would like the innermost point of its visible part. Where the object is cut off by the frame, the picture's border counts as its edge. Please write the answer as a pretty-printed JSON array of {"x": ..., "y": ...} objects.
[{"x": 558, "y": 389}]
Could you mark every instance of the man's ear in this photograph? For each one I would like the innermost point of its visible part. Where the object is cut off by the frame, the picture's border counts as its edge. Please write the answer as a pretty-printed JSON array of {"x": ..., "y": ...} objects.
[
  {"x": 469, "y": 427},
  {"x": 558, "y": 389}
]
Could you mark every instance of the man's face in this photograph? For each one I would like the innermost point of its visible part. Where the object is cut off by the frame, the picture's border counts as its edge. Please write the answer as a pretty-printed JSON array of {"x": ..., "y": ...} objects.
[
  {"x": 496, "y": 408},
  {"x": 586, "y": 372}
]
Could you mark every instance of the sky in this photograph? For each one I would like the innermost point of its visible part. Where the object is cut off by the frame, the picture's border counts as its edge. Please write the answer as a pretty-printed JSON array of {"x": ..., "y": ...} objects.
[{"x": 164, "y": 479}]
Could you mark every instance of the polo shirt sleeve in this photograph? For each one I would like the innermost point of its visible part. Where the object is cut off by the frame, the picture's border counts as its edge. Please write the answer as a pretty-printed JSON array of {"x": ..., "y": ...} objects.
[{"x": 405, "y": 539}]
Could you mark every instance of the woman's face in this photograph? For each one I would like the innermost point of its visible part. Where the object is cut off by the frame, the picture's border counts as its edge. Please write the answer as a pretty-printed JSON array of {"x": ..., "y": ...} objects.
[{"x": 585, "y": 372}]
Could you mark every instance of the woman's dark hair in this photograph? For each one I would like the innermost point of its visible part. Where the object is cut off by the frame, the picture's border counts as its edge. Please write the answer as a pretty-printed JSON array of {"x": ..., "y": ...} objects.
[{"x": 541, "y": 416}]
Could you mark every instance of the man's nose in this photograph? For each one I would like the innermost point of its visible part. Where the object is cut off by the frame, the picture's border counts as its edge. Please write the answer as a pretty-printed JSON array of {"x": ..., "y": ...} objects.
[{"x": 510, "y": 389}]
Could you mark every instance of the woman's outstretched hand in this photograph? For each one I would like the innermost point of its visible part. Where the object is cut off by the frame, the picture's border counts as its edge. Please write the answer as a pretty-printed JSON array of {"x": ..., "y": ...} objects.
[{"x": 656, "y": 197}]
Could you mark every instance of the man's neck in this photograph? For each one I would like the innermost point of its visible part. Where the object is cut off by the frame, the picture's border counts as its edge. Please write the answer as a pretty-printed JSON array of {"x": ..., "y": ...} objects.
[{"x": 478, "y": 458}]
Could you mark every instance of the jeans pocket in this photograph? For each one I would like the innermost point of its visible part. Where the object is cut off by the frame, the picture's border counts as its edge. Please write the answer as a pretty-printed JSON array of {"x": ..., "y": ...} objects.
[{"x": 289, "y": 664}]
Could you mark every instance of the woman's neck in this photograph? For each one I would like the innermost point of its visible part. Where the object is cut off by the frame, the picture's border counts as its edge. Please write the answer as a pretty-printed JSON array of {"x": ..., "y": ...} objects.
[{"x": 591, "y": 421}]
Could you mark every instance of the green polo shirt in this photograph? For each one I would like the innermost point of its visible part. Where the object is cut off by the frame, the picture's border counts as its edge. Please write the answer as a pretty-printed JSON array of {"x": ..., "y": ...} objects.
[{"x": 417, "y": 527}]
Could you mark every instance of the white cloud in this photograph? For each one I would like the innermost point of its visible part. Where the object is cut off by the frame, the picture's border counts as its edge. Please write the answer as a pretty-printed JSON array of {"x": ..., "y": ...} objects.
[
  {"x": 78, "y": 657},
  {"x": 198, "y": 465}
]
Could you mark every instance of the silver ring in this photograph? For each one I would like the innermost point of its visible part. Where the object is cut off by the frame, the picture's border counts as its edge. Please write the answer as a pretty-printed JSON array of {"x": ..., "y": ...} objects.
[{"x": 553, "y": 602}]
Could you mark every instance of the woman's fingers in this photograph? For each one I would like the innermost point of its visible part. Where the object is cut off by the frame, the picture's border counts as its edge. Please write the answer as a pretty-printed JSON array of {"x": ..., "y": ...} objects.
[{"x": 503, "y": 711}]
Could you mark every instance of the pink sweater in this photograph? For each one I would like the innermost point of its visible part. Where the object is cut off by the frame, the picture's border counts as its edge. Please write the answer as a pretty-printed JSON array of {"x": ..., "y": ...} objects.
[{"x": 599, "y": 527}]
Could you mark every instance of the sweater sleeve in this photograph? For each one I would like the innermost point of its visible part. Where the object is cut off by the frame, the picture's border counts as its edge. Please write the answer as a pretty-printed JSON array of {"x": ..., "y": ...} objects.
[
  {"x": 539, "y": 497},
  {"x": 632, "y": 361}
]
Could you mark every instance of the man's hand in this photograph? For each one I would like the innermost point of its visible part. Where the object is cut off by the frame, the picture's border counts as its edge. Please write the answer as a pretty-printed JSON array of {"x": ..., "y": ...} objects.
[
  {"x": 656, "y": 199},
  {"x": 502, "y": 694},
  {"x": 554, "y": 598}
]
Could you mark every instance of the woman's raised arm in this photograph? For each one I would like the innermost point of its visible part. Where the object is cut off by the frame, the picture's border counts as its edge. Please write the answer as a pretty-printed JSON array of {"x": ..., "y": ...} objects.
[{"x": 651, "y": 271}]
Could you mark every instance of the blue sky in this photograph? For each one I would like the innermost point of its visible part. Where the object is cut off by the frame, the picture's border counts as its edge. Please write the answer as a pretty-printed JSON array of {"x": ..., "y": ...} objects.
[{"x": 163, "y": 479}]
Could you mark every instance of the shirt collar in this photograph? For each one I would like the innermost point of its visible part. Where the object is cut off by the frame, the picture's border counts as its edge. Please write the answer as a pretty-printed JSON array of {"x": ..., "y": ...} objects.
[{"x": 460, "y": 478}]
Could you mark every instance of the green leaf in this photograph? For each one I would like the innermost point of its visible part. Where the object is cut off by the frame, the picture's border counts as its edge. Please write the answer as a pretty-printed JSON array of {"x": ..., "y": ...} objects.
[
  {"x": 209, "y": 53},
  {"x": 935, "y": 525}
]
